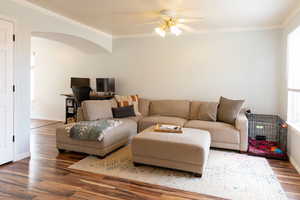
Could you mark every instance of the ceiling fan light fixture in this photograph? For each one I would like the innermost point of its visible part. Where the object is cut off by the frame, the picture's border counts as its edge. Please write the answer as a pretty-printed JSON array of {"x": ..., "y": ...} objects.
[
  {"x": 160, "y": 31},
  {"x": 181, "y": 20},
  {"x": 175, "y": 30}
]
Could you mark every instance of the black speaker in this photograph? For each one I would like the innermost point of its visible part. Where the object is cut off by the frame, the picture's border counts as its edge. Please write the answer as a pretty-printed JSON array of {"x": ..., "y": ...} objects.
[
  {"x": 80, "y": 82},
  {"x": 102, "y": 84},
  {"x": 111, "y": 85},
  {"x": 105, "y": 84}
]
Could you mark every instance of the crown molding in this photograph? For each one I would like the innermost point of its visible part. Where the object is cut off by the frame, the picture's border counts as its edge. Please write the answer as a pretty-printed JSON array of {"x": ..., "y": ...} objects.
[
  {"x": 291, "y": 16},
  {"x": 61, "y": 17},
  {"x": 207, "y": 31}
]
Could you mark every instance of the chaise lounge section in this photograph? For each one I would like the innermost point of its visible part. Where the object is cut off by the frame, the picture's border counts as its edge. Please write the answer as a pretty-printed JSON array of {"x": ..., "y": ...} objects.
[{"x": 112, "y": 140}]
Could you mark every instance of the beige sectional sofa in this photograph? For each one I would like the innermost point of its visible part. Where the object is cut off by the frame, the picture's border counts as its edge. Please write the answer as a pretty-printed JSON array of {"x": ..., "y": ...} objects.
[
  {"x": 113, "y": 139},
  {"x": 177, "y": 112},
  {"x": 184, "y": 113}
]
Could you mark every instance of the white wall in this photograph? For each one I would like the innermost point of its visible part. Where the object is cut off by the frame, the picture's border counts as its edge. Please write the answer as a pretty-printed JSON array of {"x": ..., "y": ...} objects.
[
  {"x": 26, "y": 21},
  {"x": 56, "y": 63},
  {"x": 240, "y": 65}
]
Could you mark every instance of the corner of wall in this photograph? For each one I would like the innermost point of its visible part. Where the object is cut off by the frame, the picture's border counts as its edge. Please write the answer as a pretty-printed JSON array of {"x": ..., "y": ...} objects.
[
  {"x": 294, "y": 163},
  {"x": 22, "y": 156}
]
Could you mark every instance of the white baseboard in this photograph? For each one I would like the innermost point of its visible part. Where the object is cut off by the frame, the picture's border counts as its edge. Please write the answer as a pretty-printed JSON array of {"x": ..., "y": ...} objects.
[
  {"x": 21, "y": 156},
  {"x": 295, "y": 164},
  {"x": 48, "y": 118}
]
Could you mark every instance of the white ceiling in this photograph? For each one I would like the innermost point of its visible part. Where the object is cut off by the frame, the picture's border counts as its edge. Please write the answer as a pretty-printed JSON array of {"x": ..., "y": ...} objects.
[{"x": 127, "y": 17}]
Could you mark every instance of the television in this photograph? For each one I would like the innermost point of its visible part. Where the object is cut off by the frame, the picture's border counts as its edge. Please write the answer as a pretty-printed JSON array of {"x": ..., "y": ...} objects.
[
  {"x": 105, "y": 85},
  {"x": 80, "y": 82}
]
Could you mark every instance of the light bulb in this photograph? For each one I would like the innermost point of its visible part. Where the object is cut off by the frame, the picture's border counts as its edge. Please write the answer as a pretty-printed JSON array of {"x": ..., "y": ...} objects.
[
  {"x": 181, "y": 20},
  {"x": 160, "y": 32},
  {"x": 175, "y": 30}
]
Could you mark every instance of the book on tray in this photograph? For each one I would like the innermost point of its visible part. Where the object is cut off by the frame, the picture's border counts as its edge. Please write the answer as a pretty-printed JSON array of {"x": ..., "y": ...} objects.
[{"x": 168, "y": 128}]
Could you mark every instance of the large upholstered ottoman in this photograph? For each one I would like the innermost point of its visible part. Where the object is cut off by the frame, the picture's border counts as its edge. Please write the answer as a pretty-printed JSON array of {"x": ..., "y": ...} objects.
[
  {"x": 113, "y": 139},
  {"x": 187, "y": 151}
]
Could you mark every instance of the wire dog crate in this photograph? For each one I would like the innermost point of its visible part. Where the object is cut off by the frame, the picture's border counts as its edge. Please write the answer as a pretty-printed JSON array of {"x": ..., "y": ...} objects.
[{"x": 274, "y": 129}]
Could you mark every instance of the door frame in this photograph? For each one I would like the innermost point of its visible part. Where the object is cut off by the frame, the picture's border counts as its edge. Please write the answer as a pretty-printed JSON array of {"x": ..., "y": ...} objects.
[{"x": 14, "y": 22}]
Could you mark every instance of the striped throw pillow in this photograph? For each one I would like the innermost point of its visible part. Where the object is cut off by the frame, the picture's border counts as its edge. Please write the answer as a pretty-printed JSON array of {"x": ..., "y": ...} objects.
[{"x": 128, "y": 101}]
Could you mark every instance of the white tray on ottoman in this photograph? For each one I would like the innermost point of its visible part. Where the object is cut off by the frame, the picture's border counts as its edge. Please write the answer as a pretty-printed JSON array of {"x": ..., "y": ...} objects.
[{"x": 187, "y": 151}]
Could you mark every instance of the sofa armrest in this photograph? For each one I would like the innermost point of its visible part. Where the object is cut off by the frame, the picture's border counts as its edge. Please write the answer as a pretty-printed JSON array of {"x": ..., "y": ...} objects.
[
  {"x": 144, "y": 105},
  {"x": 241, "y": 124}
]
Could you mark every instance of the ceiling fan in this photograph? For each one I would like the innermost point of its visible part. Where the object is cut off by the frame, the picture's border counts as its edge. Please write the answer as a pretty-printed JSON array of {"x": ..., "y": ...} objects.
[
  {"x": 167, "y": 20},
  {"x": 171, "y": 22}
]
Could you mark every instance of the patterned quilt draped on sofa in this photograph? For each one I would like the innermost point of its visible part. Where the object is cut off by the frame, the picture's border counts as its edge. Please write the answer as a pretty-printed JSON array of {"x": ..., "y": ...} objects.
[{"x": 91, "y": 130}]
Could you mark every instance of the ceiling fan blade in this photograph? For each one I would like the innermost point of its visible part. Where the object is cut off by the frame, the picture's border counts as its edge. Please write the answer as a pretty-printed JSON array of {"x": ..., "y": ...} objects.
[
  {"x": 189, "y": 17},
  {"x": 181, "y": 20},
  {"x": 154, "y": 22},
  {"x": 190, "y": 12},
  {"x": 170, "y": 4},
  {"x": 149, "y": 14},
  {"x": 186, "y": 28},
  {"x": 150, "y": 23}
]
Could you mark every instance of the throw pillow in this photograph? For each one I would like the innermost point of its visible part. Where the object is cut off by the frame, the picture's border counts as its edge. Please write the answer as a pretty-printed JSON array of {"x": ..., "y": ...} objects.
[
  {"x": 96, "y": 110},
  {"x": 128, "y": 101},
  {"x": 122, "y": 112},
  {"x": 208, "y": 111},
  {"x": 114, "y": 103},
  {"x": 228, "y": 110}
]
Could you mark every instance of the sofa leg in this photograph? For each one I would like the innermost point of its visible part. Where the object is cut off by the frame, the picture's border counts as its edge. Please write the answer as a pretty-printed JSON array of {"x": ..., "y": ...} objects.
[
  {"x": 100, "y": 157},
  {"x": 198, "y": 175},
  {"x": 136, "y": 164},
  {"x": 61, "y": 150}
]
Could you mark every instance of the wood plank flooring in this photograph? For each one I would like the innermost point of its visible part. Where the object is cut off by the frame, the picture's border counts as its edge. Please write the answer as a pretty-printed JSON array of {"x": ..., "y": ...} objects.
[{"x": 46, "y": 176}]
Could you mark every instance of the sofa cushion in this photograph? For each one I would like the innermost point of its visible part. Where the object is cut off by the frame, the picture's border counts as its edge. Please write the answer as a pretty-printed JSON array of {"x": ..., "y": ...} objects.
[
  {"x": 153, "y": 120},
  {"x": 172, "y": 108},
  {"x": 229, "y": 109},
  {"x": 208, "y": 111},
  {"x": 94, "y": 109},
  {"x": 220, "y": 132},
  {"x": 136, "y": 118},
  {"x": 195, "y": 108}
]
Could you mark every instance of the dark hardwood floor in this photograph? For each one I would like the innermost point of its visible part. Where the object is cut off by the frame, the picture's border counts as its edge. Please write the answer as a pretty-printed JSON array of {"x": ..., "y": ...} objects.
[{"x": 46, "y": 176}]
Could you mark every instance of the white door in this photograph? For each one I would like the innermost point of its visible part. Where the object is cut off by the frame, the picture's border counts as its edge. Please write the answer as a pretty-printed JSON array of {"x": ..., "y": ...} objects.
[{"x": 6, "y": 91}]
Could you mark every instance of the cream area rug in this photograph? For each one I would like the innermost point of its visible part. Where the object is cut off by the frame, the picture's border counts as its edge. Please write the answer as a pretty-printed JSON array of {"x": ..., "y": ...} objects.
[{"x": 228, "y": 175}]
